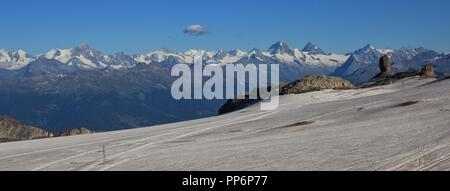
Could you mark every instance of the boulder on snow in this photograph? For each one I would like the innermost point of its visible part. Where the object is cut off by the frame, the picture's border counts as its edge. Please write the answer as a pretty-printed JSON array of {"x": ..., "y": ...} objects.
[
  {"x": 428, "y": 71},
  {"x": 316, "y": 83},
  {"x": 385, "y": 67}
]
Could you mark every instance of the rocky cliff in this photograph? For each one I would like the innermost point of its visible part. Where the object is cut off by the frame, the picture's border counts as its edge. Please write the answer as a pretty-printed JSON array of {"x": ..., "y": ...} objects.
[
  {"x": 13, "y": 130},
  {"x": 316, "y": 83}
]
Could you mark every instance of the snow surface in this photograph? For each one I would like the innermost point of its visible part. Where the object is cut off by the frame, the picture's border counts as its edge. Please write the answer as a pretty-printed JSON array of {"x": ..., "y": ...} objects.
[{"x": 402, "y": 126}]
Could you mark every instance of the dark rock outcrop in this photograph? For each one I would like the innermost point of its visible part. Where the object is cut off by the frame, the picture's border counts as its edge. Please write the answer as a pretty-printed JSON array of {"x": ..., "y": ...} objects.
[
  {"x": 13, "y": 130},
  {"x": 385, "y": 76},
  {"x": 236, "y": 104},
  {"x": 313, "y": 49},
  {"x": 316, "y": 83},
  {"x": 241, "y": 102},
  {"x": 73, "y": 132},
  {"x": 428, "y": 71},
  {"x": 385, "y": 68}
]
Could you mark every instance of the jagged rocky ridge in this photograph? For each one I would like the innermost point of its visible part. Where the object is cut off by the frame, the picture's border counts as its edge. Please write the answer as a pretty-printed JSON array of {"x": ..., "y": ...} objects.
[{"x": 13, "y": 130}]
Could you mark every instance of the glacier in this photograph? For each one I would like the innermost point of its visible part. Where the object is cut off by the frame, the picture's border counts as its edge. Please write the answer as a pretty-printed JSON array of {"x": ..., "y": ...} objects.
[{"x": 362, "y": 129}]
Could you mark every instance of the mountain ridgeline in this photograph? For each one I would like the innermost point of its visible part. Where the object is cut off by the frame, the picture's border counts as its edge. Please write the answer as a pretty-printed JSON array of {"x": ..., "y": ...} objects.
[
  {"x": 13, "y": 130},
  {"x": 82, "y": 87}
]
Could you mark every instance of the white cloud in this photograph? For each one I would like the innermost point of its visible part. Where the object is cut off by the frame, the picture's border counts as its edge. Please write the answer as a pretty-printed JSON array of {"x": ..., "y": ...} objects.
[{"x": 195, "y": 30}]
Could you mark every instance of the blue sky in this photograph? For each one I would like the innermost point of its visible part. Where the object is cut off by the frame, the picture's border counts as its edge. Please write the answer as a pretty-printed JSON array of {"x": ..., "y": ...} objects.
[{"x": 136, "y": 26}]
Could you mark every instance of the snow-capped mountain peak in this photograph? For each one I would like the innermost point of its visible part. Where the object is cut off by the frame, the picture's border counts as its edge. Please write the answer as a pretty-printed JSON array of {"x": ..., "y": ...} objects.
[
  {"x": 369, "y": 47},
  {"x": 259, "y": 54},
  {"x": 164, "y": 51},
  {"x": 21, "y": 53},
  {"x": 366, "y": 49},
  {"x": 189, "y": 55},
  {"x": 236, "y": 52},
  {"x": 223, "y": 57},
  {"x": 198, "y": 52},
  {"x": 85, "y": 46},
  {"x": 62, "y": 55},
  {"x": 313, "y": 49},
  {"x": 255, "y": 51},
  {"x": 120, "y": 60},
  {"x": 82, "y": 56},
  {"x": 220, "y": 54},
  {"x": 14, "y": 60},
  {"x": 86, "y": 50},
  {"x": 4, "y": 56},
  {"x": 280, "y": 48}
]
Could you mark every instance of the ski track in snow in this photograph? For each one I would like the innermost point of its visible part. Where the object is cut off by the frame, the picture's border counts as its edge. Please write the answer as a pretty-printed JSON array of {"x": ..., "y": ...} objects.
[{"x": 225, "y": 122}]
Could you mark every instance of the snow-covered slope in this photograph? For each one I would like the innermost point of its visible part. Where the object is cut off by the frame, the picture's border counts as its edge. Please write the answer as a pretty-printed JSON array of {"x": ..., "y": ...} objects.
[
  {"x": 402, "y": 126},
  {"x": 82, "y": 57},
  {"x": 171, "y": 57}
]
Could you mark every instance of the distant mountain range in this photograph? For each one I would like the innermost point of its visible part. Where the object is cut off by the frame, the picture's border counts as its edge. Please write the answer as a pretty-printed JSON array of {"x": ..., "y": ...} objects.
[
  {"x": 309, "y": 60},
  {"x": 86, "y": 58},
  {"x": 64, "y": 61},
  {"x": 82, "y": 87}
]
